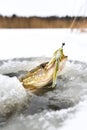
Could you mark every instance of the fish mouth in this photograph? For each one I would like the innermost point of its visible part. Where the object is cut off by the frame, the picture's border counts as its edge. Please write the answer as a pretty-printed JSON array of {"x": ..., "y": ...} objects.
[
  {"x": 63, "y": 58},
  {"x": 62, "y": 63}
]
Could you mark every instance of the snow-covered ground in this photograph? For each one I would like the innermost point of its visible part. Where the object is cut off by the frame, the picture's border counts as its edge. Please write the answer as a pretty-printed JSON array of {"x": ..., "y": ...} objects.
[
  {"x": 16, "y": 43},
  {"x": 42, "y": 42}
]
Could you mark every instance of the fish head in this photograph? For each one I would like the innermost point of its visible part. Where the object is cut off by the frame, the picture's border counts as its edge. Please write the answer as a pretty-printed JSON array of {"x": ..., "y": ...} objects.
[{"x": 59, "y": 54}]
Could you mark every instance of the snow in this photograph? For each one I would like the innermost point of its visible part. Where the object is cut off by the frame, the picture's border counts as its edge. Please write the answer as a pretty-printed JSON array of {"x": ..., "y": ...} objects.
[
  {"x": 15, "y": 43},
  {"x": 36, "y": 43},
  {"x": 79, "y": 120},
  {"x": 12, "y": 94}
]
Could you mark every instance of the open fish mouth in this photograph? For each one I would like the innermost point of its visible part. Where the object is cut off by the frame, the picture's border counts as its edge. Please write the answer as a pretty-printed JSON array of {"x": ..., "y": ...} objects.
[{"x": 45, "y": 73}]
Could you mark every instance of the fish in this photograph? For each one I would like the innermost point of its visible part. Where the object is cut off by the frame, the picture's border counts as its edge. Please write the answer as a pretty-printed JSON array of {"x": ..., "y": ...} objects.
[{"x": 45, "y": 73}]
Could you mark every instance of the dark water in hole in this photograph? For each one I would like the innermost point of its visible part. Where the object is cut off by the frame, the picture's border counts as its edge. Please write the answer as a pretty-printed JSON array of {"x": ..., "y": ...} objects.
[{"x": 47, "y": 109}]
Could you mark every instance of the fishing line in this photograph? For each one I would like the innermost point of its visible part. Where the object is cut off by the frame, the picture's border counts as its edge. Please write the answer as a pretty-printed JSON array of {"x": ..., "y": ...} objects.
[
  {"x": 67, "y": 37},
  {"x": 75, "y": 18}
]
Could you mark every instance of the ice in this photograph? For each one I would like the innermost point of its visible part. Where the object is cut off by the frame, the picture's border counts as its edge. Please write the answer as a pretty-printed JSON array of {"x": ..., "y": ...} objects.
[
  {"x": 21, "y": 64},
  {"x": 12, "y": 94},
  {"x": 42, "y": 42},
  {"x": 72, "y": 91},
  {"x": 73, "y": 81},
  {"x": 79, "y": 119}
]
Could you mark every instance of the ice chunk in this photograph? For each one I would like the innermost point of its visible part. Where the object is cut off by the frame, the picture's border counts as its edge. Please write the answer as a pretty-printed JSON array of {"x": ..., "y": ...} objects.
[{"x": 12, "y": 94}]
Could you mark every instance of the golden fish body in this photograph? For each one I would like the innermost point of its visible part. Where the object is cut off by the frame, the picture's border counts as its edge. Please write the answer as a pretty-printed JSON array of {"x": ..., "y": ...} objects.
[
  {"x": 45, "y": 73},
  {"x": 37, "y": 77}
]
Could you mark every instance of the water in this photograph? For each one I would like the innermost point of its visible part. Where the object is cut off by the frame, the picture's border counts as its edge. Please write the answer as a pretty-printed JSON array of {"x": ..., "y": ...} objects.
[{"x": 50, "y": 109}]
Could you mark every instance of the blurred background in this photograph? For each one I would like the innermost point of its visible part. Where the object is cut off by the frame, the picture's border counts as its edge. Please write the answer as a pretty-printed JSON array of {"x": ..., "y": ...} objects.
[
  {"x": 43, "y": 13},
  {"x": 30, "y": 31}
]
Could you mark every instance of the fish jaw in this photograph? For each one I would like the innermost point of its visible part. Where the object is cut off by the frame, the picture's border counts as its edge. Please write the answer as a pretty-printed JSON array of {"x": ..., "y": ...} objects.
[
  {"x": 62, "y": 64},
  {"x": 45, "y": 76}
]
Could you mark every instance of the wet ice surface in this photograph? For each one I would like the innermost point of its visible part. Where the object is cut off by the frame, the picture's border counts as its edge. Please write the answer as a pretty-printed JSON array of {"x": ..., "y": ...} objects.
[{"x": 48, "y": 109}]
